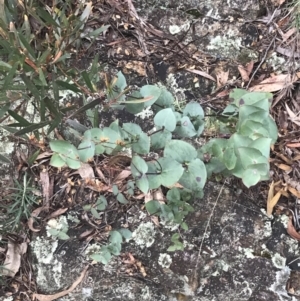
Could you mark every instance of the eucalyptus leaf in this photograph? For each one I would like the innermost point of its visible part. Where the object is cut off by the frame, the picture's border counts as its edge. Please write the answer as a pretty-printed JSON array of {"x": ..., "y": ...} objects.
[
  {"x": 152, "y": 92},
  {"x": 186, "y": 128},
  {"x": 86, "y": 150},
  {"x": 160, "y": 139},
  {"x": 57, "y": 160},
  {"x": 193, "y": 109},
  {"x": 125, "y": 233},
  {"x": 165, "y": 119},
  {"x": 142, "y": 145},
  {"x": 180, "y": 151},
  {"x": 194, "y": 178}
]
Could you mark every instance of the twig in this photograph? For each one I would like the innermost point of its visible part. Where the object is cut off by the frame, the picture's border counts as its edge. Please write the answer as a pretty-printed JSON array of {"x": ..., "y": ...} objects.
[
  {"x": 261, "y": 62},
  {"x": 205, "y": 231}
]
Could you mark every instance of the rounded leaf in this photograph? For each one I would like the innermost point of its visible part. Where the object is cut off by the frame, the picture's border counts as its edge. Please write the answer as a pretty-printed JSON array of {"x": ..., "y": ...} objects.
[
  {"x": 250, "y": 177},
  {"x": 165, "y": 119},
  {"x": 160, "y": 139},
  {"x": 249, "y": 156},
  {"x": 186, "y": 128},
  {"x": 138, "y": 166},
  {"x": 57, "y": 160},
  {"x": 64, "y": 148},
  {"x": 171, "y": 171},
  {"x": 193, "y": 109},
  {"x": 152, "y": 92},
  {"x": 142, "y": 146},
  {"x": 180, "y": 151},
  {"x": 143, "y": 184},
  {"x": 86, "y": 150},
  {"x": 194, "y": 178}
]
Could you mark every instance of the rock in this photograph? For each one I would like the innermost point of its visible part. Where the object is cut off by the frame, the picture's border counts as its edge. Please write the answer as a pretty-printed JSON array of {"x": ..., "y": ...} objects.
[{"x": 237, "y": 260}]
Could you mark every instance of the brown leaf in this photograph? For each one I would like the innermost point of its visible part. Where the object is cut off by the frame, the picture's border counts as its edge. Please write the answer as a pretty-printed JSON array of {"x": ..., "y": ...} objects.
[
  {"x": 243, "y": 72},
  {"x": 57, "y": 213},
  {"x": 284, "y": 167},
  {"x": 124, "y": 174},
  {"x": 294, "y": 118},
  {"x": 86, "y": 171},
  {"x": 274, "y": 83},
  {"x": 293, "y": 144},
  {"x": 45, "y": 182},
  {"x": 222, "y": 77},
  {"x": 41, "y": 297},
  {"x": 13, "y": 258},
  {"x": 272, "y": 200},
  {"x": 35, "y": 213},
  {"x": 201, "y": 73},
  {"x": 295, "y": 192},
  {"x": 292, "y": 231}
]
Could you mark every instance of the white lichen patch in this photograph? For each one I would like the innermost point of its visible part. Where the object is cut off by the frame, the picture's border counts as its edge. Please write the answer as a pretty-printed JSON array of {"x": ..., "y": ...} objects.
[
  {"x": 60, "y": 224},
  {"x": 49, "y": 269},
  {"x": 278, "y": 261},
  {"x": 92, "y": 249},
  {"x": 144, "y": 235},
  {"x": 44, "y": 249},
  {"x": 284, "y": 219},
  {"x": 279, "y": 286},
  {"x": 227, "y": 44},
  {"x": 247, "y": 252},
  {"x": 276, "y": 62},
  {"x": 164, "y": 260},
  {"x": 146, "y": 113}
]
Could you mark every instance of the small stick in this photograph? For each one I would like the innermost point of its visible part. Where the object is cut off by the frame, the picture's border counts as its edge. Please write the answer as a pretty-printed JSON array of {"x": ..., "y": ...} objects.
[
  {"x": 205, "y": 231},
  {"x": 261, "y": 62}
]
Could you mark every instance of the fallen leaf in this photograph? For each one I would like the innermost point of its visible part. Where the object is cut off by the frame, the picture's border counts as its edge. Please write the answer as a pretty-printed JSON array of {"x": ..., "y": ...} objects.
[
  {"x": 57, "y": 213},
  {"x": 272, "y": 200},
  {"x": 45, "y": 182},
  {"x": 41, "y": 297},
  {"x": 294, "y": 118},
  {"x": 294, "y": 145},
  {"x": 274, "y": 83},
  {"x": 124, "y": 174},
  {"x": 13, "y": 258},
  {"x": 35, "y": 213},
  {"x": 201, "y": 73},
  {"x": 295, "y": 192},
  {"x": 222, "y": 77},
  {"x": 284, "y": 167},
  {"x": 292, "y": 231},
  {"x": 86, "y": 171},
  {"x": 246, "y": 71}
]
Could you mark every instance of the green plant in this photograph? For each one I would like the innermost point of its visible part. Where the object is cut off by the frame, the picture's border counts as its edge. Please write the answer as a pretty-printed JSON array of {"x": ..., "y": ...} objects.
[
  {"x": 113, "y": 247},
  {"x": 19, "y": 204},
  {"x": 245, "y": 154},
  {"x": 36, "y": 46}
]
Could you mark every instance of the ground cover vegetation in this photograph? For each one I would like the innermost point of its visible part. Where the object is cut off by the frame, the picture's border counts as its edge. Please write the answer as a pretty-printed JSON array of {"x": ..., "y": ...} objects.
[{"x": 38, "y": 45}]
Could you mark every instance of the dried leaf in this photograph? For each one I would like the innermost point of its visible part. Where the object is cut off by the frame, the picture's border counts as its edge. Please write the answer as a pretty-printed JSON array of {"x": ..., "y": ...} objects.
[
  {"x": 13, "y": 258},
  {"x": 272, "y": 201},
  {"x": 243, "y": 72},
  {"x": 295, "y": 192},
  {"x": 294, "y": 118},
  {"x": 293, "y": 144},
  {"x": 45, "y": 181},
  {"x": 222, "y": 78},
  {"x": 292, "y": 231},
  {"x": 35, "y": 213},
  {"x": 86, "y": 171},
  {"x": 274, "y": 83},
  {"x": 41, "y": 297},
  {"x": 284, "y": 167},
  {"x": 124, "y": 174},
  {"x": 201, "y": 73},
  {"x": 57, "y": 213}
]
